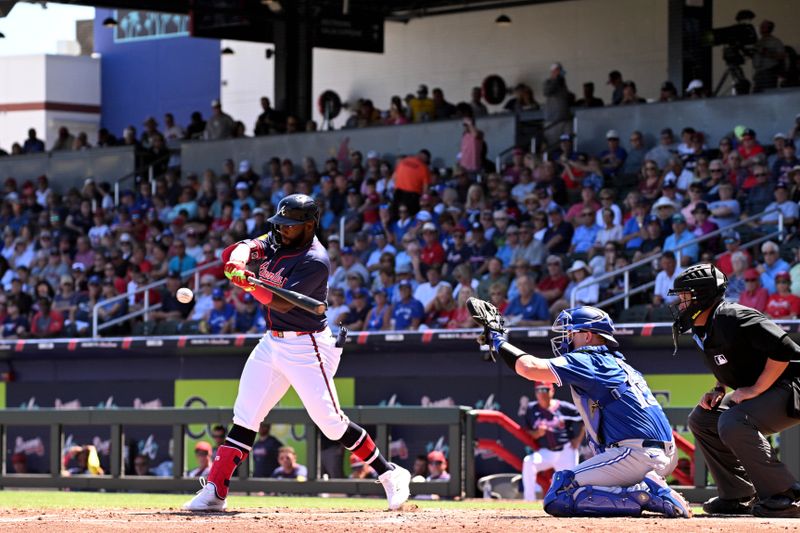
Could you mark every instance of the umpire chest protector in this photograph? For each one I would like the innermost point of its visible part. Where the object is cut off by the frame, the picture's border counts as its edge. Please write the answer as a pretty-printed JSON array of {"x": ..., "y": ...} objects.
[{"x": 738, "y": 340}]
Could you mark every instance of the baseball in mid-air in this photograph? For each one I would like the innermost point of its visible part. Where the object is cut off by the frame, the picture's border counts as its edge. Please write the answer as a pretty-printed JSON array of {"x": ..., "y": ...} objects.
[{"x": 184, "y": 295}]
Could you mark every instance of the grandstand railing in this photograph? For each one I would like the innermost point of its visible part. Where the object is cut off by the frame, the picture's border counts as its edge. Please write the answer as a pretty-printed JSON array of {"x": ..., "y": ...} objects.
[
  {"x": 148, "y": 169},
  {"x": 146, "y": 308},
  {"x": 625, "y": 272},
  {"x": 382, "y": 418}
]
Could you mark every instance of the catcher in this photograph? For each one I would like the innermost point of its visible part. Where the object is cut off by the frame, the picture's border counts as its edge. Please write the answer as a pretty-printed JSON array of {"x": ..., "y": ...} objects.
[{"x": 625, "y": 424}]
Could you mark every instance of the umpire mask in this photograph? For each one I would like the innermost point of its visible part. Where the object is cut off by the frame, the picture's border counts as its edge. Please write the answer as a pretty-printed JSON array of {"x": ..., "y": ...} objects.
[{"x": 706, "y": 284}]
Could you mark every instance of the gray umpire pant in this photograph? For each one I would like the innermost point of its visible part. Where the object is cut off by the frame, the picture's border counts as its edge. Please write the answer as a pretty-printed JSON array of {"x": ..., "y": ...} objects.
[{"x": 732, "y": 440}]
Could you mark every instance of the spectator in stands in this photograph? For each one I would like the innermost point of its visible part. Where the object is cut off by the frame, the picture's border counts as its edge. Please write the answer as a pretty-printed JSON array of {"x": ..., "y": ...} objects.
[
  {"x": 677, "y": 241},
  {"x": 668, "y": 92},
  {"x": 529, "y": 308},
  {"x": 478, "y": 107},
  {"x": 772, "y": 264},
  {"x": 379, "y": 316},
  {"x": 220, "y": 125},
  {"x": 614, "y": 156},
  {"x": 64, "y": 141},
  {"x": 46, "y": 322},
  {"x": 784, "y": 162},
  {"x": 634, "y": 232},
  {"x": 442, "y": 109},
  {"x": 726, "y": 210},
  {"x": 783, "y": 304},
  {"x": 553, "y": 284},
  {"x": 427, "y": 291},
  {"x": 665, "y": 150},
  {"x": 523, "y": 100},
  {"x": 754, "y": 295},
  {"x": 585, "y": 234},
  {"x": 556, "y": 108},
  {"x": 558, "y": 236},
  {"x": 589, "y": 99},
  {"x": 749, "y": 148},
  {"x": 172, "y": 131},
  {"x": 432, "y": 253},
  {"x": 361, "y": 470},
  {"x": 783, "y": 205},
  {"x": 202, "y": 454},
  {"x": 181, "y": 262},
  {"x": 422, "y": 108},
  {"x": 440, "y": 310},
  {"x": 736, "y": 278},
  {"x": 408, "y": 312},
  {"x": 141, "y": 465},
  {"x": 289, "y": 468},
  {"x": 665, "y": 279},
  {"x": 19, "y": 462},
  {"x": 617, "y": 85},
  {"x": 696, "y": 90},
  {"x": 250, "y": 318},
  {"x": 481, "y": 249},
  {"x": 412, "y": 178},
  {"x": 635, "y": 155},
  {"x": 33, "y": 144},
  {"x": 171, "y": 308},
  {"x": 732, "y": 240},
  {"x": 265, "y": 452},
  {"x": 220, "y": 319},
  {"x": 15, "y": 324},
  {"x": 768, "y": 60},
  {"x": 608, "y": 232},
  {"x": 629, "y": 95},
  {"x": 494, "y": 274},
  {"x": 111, "y": 307},
  {"x": 589, "y": 294}
]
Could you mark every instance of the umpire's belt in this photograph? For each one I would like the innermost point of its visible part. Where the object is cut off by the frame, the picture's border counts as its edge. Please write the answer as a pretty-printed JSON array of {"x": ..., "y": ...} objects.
[
  {"x": 639, "y": 443},
  {"x": 291, "y": 334}
]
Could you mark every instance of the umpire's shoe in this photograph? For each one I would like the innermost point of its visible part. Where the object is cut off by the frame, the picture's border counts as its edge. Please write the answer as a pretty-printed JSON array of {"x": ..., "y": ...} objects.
[
  {"x": 395, "y": 483},
  {"x": 718, "y": 505},
  {"x": 206, "y": 499},
  {"x": 783, "y": 505}
]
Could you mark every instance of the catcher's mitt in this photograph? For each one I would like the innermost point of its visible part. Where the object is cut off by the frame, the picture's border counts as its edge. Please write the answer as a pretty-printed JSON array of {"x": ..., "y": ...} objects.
[{"x": 486, "y": 315}]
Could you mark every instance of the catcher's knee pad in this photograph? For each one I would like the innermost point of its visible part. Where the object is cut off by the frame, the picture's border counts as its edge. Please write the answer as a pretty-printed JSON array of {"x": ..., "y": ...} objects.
[{"x": 567, "y": 498}]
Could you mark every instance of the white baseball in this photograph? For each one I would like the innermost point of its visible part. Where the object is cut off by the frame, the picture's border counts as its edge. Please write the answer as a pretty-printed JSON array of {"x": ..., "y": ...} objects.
[{"x": 184, "y": 295}]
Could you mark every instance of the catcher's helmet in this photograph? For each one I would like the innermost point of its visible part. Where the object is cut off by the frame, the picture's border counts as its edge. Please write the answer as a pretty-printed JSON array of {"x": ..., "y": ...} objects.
[
  {"x": 707, "y": 285},
  {"x": 295, "y": 209},
  {"x": 584, "y": 318}
]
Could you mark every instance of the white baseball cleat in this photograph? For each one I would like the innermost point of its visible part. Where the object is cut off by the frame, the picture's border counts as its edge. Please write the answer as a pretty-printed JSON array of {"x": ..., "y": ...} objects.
[
  {"x": 206, "y": 499},
  {"x": 395, "y": 483}
]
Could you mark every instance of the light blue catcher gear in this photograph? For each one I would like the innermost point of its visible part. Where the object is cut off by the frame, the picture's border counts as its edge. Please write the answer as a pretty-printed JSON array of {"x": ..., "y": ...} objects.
[
  {"x": 567, "y": 498},
  {"x": 584, "y": 318}
]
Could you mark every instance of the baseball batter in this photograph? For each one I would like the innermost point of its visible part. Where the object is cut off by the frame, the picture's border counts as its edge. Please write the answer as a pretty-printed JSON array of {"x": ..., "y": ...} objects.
[
  {"x": 625, "y": 424},
  {"x": 298, "y": 349}
]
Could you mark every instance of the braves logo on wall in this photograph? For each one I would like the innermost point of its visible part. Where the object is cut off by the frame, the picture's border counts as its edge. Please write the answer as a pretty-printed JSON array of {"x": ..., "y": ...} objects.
[{"x": 27, "y": 447}]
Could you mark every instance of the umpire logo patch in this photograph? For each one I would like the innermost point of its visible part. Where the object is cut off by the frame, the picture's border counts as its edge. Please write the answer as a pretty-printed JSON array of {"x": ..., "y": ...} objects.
[{"x": 720, "y": 360}]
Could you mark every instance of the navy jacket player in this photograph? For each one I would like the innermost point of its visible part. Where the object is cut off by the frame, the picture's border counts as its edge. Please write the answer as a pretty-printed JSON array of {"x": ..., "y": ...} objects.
[{"x": 632, "y": 439}]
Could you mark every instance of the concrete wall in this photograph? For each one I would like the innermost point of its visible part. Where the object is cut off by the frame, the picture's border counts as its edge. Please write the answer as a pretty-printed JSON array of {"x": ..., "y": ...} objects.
[
  {"x": 32, "y": 85},
  {"x": 247, "y": 75},
  {"x": 441, "y": 138}
]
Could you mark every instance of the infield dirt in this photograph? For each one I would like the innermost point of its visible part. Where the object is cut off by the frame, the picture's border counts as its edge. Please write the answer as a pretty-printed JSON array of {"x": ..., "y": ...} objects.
[{"x": 412, "y": 519}]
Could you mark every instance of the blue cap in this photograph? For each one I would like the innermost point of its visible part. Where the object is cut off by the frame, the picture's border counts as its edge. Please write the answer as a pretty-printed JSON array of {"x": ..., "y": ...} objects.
[
  {"x": 378, "y": 230},
  {"x": 361, "y": 293},
  {"x": 248, "y": 298},
  {"x": 651, "y": 218},
  {"x": 218, "y": 294},
  {"x": 94, "y": 280},
  {"x": 347, "y": 250},
  {"x": 404, "y": 283}
]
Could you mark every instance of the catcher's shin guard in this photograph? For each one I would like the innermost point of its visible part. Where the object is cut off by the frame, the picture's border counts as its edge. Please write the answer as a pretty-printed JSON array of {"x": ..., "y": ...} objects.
[
  {"x": 226, "y": 461},
  {"x": 567, "y": 498}
]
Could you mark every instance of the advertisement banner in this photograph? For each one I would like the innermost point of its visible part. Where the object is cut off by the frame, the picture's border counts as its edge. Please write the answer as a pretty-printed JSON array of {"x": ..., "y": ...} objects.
[
  {"x": 199, "y": 393},
  {"x": 32, "y": 442}
]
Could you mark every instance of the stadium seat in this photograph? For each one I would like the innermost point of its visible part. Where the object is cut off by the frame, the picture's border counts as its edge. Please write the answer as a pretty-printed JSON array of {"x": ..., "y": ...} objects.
[{"x": 634, "y": 314}]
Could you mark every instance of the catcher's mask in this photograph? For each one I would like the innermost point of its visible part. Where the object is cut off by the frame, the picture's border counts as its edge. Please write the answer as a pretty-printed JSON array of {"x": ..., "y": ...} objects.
[{"x": 584, "y": 318}]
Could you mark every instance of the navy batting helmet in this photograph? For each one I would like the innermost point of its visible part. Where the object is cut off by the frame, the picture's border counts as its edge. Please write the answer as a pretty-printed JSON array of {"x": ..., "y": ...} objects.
[{"x": 295, "y": 209}]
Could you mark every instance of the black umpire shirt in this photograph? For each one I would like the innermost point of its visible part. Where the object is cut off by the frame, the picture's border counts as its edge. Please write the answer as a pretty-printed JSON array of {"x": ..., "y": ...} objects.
[{"x": 738, "y": 340}]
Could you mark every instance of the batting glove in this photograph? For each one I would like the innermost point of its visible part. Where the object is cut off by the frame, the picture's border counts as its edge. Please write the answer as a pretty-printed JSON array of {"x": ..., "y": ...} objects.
[
  {"x": 237, "y": 272},
  {"x": 497, "y": 338}
]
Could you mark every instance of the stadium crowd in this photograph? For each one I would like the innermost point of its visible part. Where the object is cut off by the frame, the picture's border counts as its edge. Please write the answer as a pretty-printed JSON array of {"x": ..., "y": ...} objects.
[{"x": 418, "y": 241}]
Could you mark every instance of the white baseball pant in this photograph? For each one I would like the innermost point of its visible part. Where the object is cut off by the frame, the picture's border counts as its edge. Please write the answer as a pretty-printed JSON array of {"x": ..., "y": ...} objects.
[
  {"x": 626, "y": 465},
  {"x": 544, "y": 459},
  {"x": 308, "y": 363}
]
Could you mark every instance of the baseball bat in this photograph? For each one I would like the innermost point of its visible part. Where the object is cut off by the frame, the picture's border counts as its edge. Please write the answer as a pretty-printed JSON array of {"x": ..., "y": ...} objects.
[{"x": 306, "y": 303}]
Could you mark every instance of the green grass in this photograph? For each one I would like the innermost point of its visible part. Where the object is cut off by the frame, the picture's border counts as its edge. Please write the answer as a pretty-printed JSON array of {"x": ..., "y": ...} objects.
[{"x": 23, "y": 499}]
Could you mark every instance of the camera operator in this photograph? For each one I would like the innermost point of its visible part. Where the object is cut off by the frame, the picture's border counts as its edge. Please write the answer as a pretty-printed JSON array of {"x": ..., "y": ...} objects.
[{"x": 768, "y": 58}]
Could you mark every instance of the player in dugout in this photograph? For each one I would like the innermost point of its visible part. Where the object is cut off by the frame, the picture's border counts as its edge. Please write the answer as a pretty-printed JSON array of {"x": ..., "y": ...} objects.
[{"x": 625, "y": 425}]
